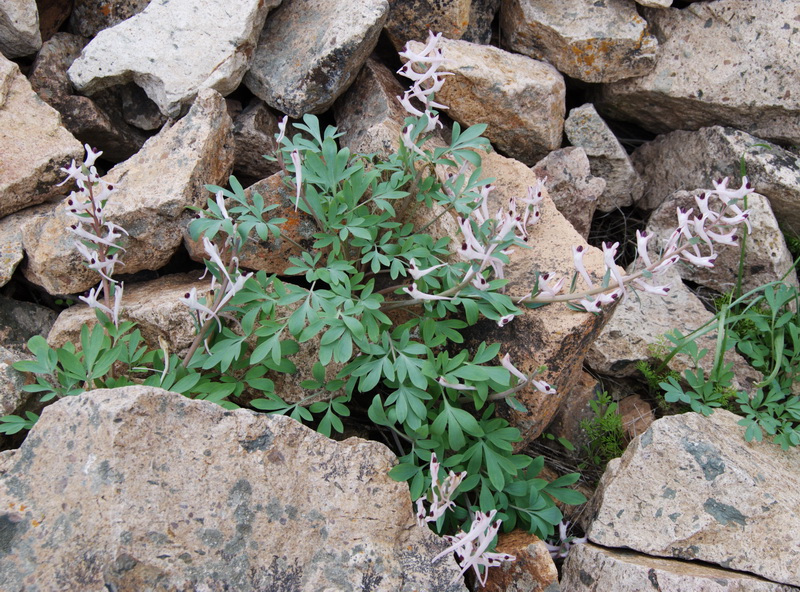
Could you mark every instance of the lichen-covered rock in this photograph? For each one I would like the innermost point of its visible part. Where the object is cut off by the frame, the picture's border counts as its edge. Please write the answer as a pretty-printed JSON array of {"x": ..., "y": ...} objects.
[
  {"x": 481, "y": 16},
  {"x": 719, "y": 63},
  {"x": 298, "y": 72},
  {"x": 553, "y": 336},
  {"x": 33, "y": 143},
  {"x": 98, "y": 122},
  {"x": 254, "y": 132},
  {"x": 166, "y": 62},
  {"x": 369, "y": 115},
  {"x": 607, "y": 158},
  {"x": 636, "y": 332},
  {"x": 89, "y": 17},
  {"x": 532, "y": 571},
  {"x": 767, "y": 258},
  {"x": 590, "y": 568},
  {"x": 19, "y": 28},
  {"x": 688, "y": 160},
  {"x": 571, "y": 186},
  {"x": 153, "y": 189},
  {"x": 410, "y": 20},
  {"x": 154, "y": 306},
  {"x": 591, "y": 41},
  {"x": 232, "y": 500},
  {"x": 690, "y": 487},
  {"x": 526, "y": 118}
]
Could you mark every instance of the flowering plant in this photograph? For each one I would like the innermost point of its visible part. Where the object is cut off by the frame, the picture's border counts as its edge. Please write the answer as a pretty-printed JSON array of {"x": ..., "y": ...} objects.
[{"x": 429, "y": 399}]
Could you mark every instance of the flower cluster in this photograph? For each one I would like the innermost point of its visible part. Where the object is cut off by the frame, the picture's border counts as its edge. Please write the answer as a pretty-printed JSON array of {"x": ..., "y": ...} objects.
[
  {"x": 564, "y": 543},
  {"x": 471, "y": 547},
  {"x": 425, "y": 84},
  {"x": 99, "y": 238},
  {"x": 441, "y": 494},
  {"x": 230, "y": 278}
]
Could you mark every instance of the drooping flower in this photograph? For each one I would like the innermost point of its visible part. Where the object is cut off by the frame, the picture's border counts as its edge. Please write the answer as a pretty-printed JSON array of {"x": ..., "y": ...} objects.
[
  {"x": 415, "y": 293},
  {"x": 577, "y": 259},
  {"x": 441, "y": 493},
  {"x": 417, "y": 273}
]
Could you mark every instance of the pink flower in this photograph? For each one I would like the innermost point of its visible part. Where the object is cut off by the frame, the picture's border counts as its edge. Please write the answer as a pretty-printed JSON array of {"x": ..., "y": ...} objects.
[
  {"x": 505, "y": 320},
  {"x": 577, "y": 259},
  {"x": 417, "y": 273},
  {"x": 506, "y": 362}
]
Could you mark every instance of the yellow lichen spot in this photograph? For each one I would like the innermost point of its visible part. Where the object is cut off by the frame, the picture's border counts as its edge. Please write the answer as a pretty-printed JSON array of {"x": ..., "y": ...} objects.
[{"x": 35, "y": 523}]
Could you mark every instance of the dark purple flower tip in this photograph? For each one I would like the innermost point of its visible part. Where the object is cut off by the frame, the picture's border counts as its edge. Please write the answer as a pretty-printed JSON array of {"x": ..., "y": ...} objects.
[
  {"x": 666, "y": 290},
  {"x": 74, "y": 226},
  {"x": 702, "y": 195},
  {"x": 746, "y": 215},
  {"x": 463, "y": 246},
  {"x": 186, "y": 295},
  {"x": 748, "y": 185},
  {"x": 644, "y": 234},
  {"x": 111, "y": 188},
  {"x": 579, "y": 249},
  {"x": 719, "y": 181},
  {"x": 614, "y": 296},
  {"x": 734, "y": 238},
  {"x": 545, "y": 276}
]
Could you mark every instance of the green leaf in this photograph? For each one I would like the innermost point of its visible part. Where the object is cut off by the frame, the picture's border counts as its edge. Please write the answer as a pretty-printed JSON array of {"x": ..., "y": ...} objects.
[{"x": 403, "y": 471}]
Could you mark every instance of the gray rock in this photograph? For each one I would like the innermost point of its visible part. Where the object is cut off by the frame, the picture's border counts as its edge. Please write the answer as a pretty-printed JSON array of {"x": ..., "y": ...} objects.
[
  {"x": 589, "y": 568},
  {"x": 369, "y": 115},
  {"x": 13, "y": 400},
  {"x": 719, "y": 63},
  {"x": 19, "y": 28},
  {"x": 636, "y": 332},
  {"x": 19, "y": 321},
  {"x": 254, "y": 132},
  {"x": 607, "y": 158},
  {"x": 526, "y": 118},
  {"x": 154, "y": 306},
  {"x": 11, "y": 252},
  {"x": 153, "y": 189},
  {"x": 84, "y": 117},
  {"x": 166, "y": 62},
  {"x": 33, "y": 143},
  {"x": 571, "y": 186},
  {"x": 655, "y": 3},
  {"x": 233, "y": 500},
  {"x": 297, "y": 72},
  {"x": 137, "y": 108},
  {"x": 767, "y": 258},
  {"x": 89, "y": 17},
  {"x": 591, "y": 41},
  {"x": 688, "y": 160},
  {"x": 410, "y": 20},
  {"x": 691, "y": 488},
  {"x": 481, "y": 16}
]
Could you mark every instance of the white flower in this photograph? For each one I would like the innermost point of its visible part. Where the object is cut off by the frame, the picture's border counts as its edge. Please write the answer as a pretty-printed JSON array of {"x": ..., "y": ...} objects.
[{"x": 414, "y": 293}]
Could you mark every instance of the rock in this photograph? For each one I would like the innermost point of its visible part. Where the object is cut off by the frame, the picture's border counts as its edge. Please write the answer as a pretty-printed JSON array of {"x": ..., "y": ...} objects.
[
  {"x": 532, "y": 571},
  {"x": 297, "y": 72},
  {"x": 11, "y": 252},
  {"x": 589, "y": 568},
  {"x": 154, "y": 306},
  {"x": 688, "y": 160},
  {"x": 702, "y": 493},
  {"x": 153, "y": 189},
  {"x": 481, "y": 16},
  {"x": 19, "y": 28},
  {"x": 767, "y": 258},
  {"x": 138, "y": 110},
  {"x": 85, "y": 118},
  {"x": 655, "y": 3},
  {"x": 591, "y": 41},
  {"x": 272, "y": 255},
  {"x": 52, "y": 14},
  {"x": 553, "y": 336},
  {"x": 410, "y": 20},
  {"x": 527, "y": 97},
  {"x": 33, "y": 143},
  {"x": 167, "y": 63},
  {"x": 575, "y": 408},
  {"x": 607, "y": 158},
  {"x": 637, "y": 415},
  {"x": 636, "y": 332},
  {"x": 254, "y": 132},
  {"x": 571, "y": 186},
  {"x": 719, "y": 63},
  {"x": 233, "y": 500},
  {"x": 11, "y": 383},
  {"x": 369, "y": 115},
  {"x": 89, "y": 17},
  {"x": 19, "y": 321}
]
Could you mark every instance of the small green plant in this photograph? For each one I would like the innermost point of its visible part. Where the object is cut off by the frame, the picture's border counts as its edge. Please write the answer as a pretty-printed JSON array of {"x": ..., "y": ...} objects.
[{"x": 604, "y": 431}]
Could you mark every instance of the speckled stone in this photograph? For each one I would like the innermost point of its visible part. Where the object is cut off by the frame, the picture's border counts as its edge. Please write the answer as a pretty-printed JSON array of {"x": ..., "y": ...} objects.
[{"x": 141, "y": 489}]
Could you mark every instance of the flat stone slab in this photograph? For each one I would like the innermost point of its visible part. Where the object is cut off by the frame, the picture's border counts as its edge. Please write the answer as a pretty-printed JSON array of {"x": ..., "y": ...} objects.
[
  {"x": 298, "y": 72},
  {"x": 728, "y": 62},
  {"x": 690, "y": 487},
  {"x": 182, "y": 47},
  {"x": 141, "y": 489}
]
